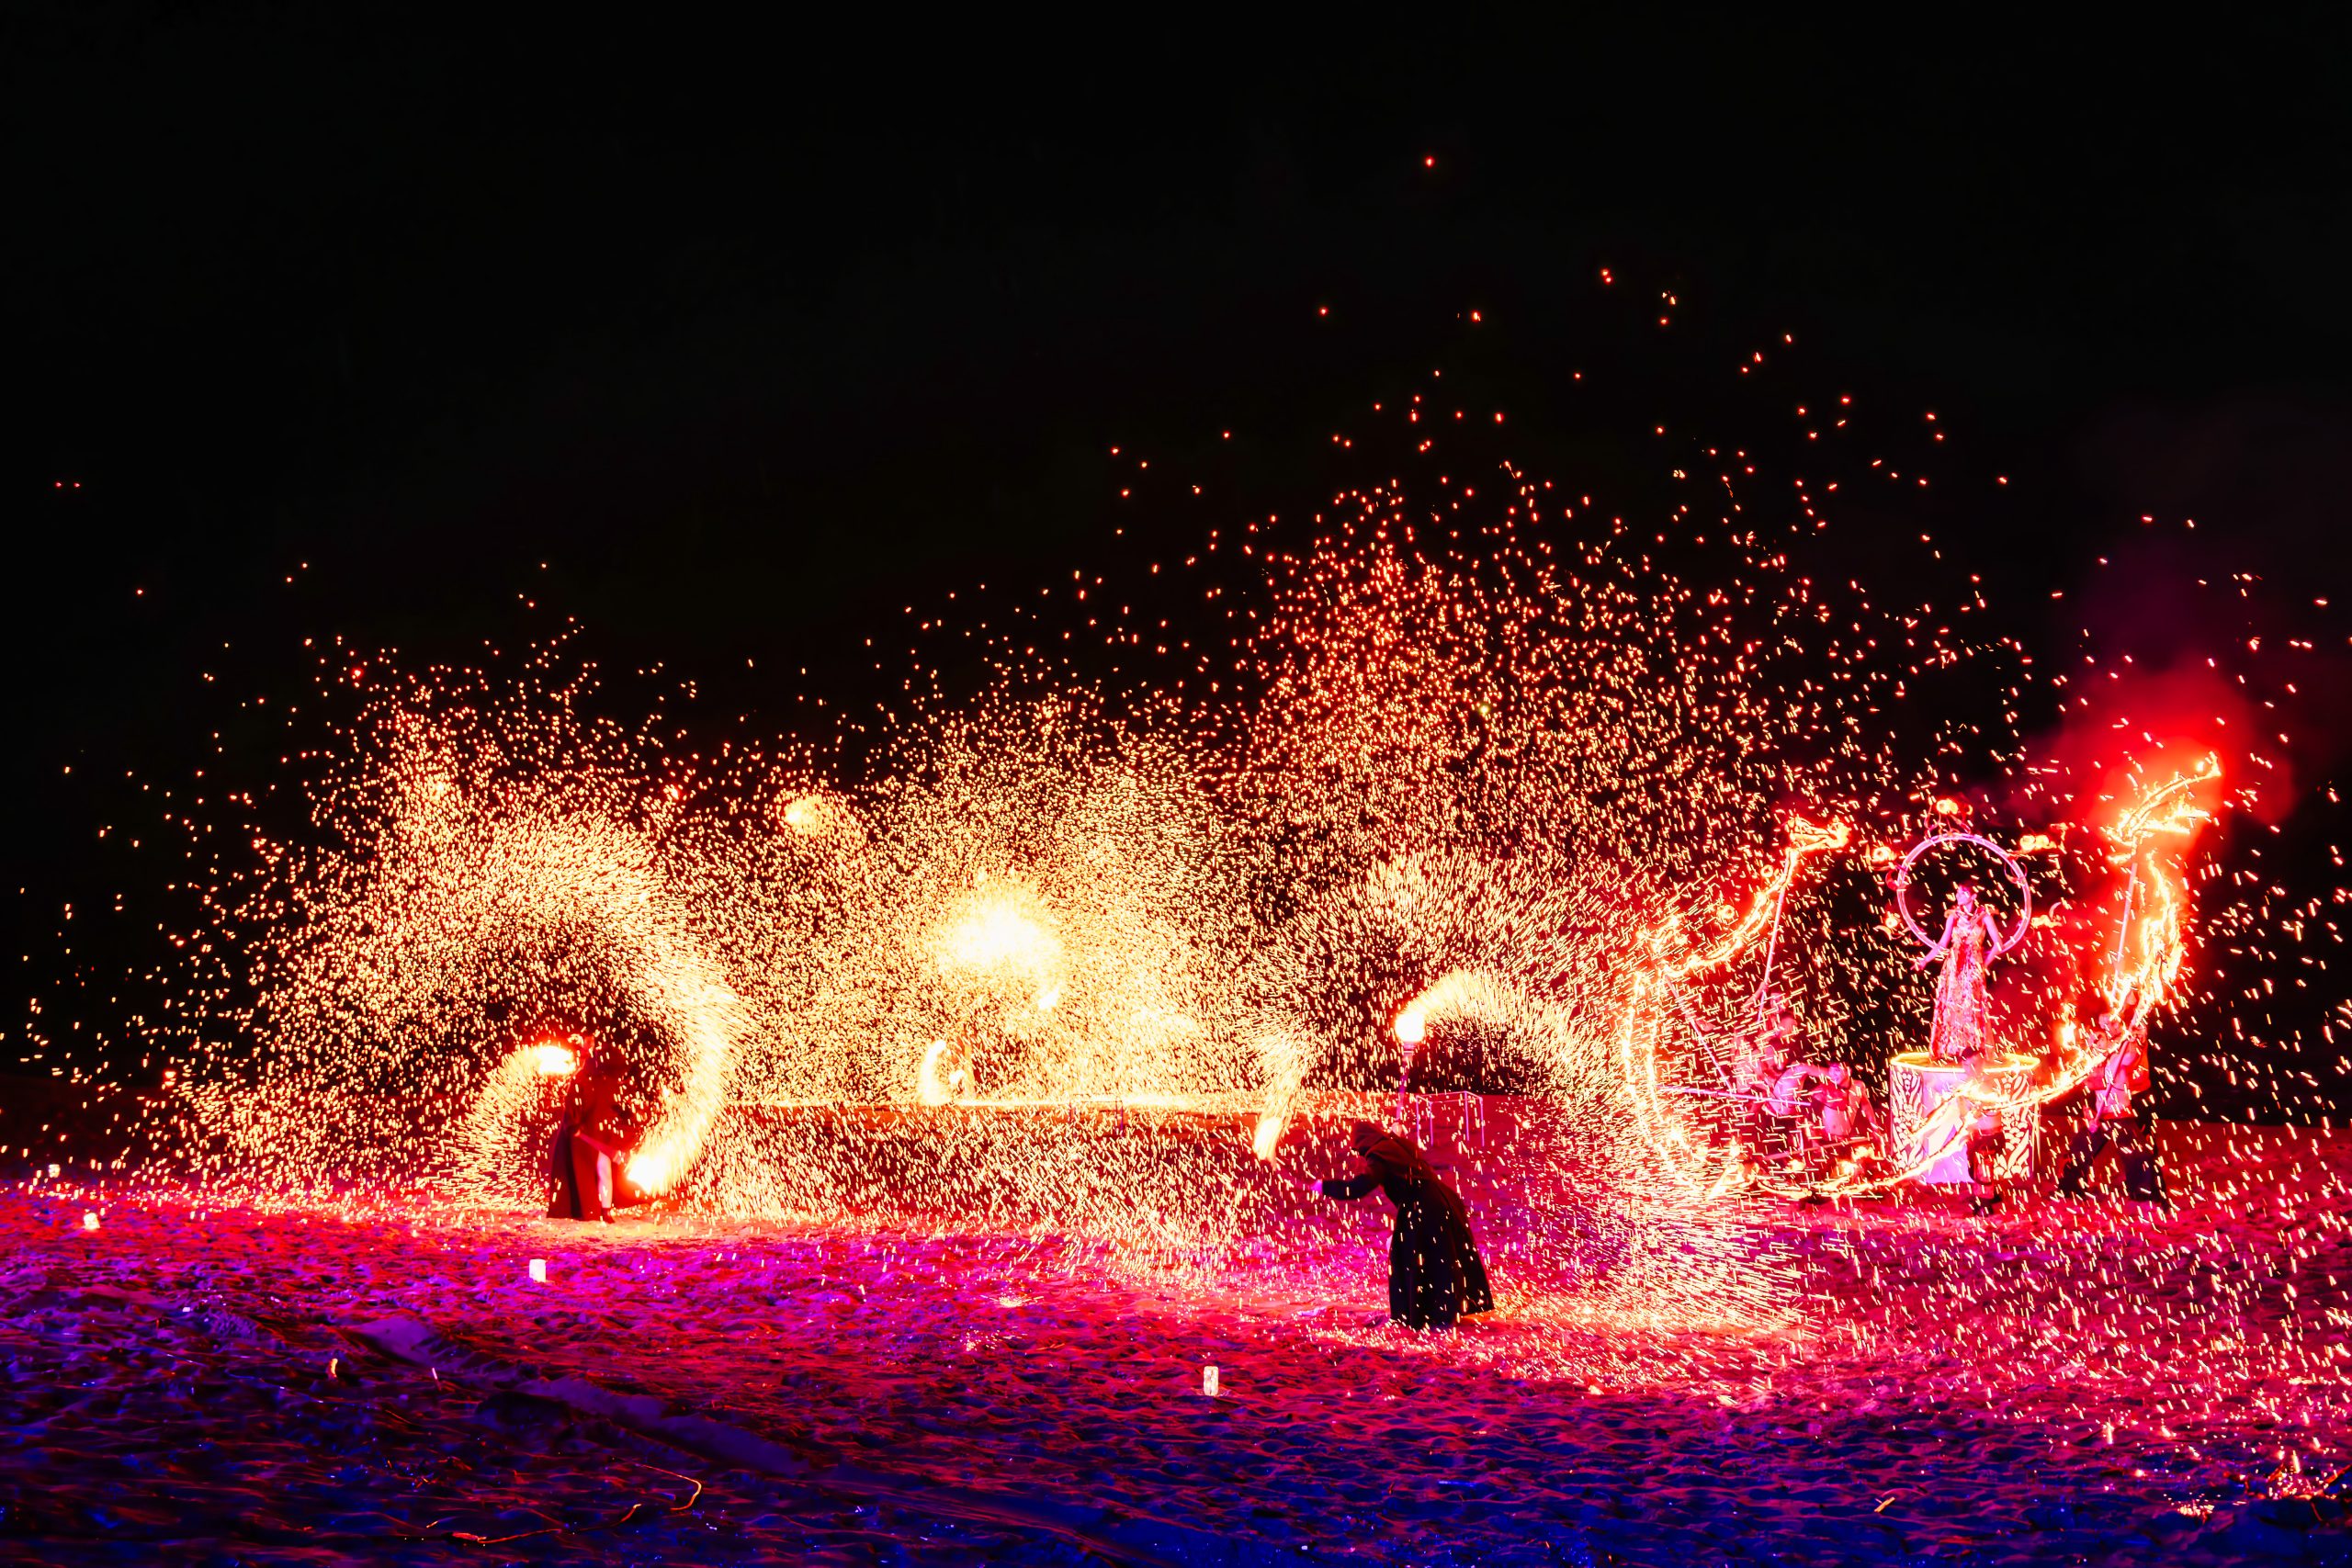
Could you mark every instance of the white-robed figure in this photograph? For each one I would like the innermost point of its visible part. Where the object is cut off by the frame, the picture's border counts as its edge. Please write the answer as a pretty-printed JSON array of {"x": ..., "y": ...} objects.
[
  {"x": 1960, "y": 1033},
  {"x": 1947, "y": 1101},
  {"x": 1963, "y": 1003}
]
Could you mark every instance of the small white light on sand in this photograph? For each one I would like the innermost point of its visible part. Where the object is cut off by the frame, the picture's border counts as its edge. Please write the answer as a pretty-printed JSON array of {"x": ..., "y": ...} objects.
[
  {"x": 53, "y": 1172},
  {"x": 89, "y": 1219},
  {"x": 1208, "y": 1381},
  {"x": 538, "y": 1271}
]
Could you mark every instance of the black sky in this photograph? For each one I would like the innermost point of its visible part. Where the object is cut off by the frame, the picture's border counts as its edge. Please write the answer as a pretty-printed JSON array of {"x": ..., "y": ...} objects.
[{"x": 753, "y": 337}]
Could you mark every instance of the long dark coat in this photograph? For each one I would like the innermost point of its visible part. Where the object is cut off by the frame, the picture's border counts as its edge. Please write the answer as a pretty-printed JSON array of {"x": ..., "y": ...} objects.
[
  {"x": 1434, "y": 1273},
  {"x": 590, "y": 1106}
]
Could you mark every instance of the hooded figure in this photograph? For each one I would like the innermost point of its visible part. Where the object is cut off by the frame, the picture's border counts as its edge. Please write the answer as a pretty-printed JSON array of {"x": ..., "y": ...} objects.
[
  {"x": 590, "y": 1137},
  {"x": 1434, "y": 1272}
]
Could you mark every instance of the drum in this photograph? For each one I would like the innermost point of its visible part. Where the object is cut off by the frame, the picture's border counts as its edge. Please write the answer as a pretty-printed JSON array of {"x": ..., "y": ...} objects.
[{"x": 1928, "y": 1128}]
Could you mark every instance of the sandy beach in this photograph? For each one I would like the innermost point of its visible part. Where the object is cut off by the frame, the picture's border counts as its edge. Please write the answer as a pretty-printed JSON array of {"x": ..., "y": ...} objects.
[{"x": 2058, "y": 1384}]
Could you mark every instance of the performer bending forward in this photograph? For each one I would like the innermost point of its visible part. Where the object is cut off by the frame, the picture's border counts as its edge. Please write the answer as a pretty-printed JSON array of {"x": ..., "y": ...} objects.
[{"x": 1434, "y": 1272}]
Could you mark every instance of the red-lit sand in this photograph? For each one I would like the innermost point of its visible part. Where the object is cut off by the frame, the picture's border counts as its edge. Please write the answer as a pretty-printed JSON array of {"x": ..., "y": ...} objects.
[{"x": 2066, "y": 1383}]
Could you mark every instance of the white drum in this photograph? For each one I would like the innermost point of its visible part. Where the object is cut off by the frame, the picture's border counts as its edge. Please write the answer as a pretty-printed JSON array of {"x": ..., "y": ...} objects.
[{"x": 1926, "y": 1124}]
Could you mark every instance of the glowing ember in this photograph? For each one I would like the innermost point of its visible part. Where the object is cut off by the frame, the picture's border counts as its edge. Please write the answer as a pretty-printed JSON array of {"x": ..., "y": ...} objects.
[
  {"x": 1484, "y": 813},
  {"x": 553, "y": 1060},
  {"x": 998, "y": 934}
]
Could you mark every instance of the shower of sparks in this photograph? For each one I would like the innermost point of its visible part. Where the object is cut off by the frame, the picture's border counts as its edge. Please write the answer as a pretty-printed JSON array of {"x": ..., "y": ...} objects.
[{"x": 1481, "y": 794}]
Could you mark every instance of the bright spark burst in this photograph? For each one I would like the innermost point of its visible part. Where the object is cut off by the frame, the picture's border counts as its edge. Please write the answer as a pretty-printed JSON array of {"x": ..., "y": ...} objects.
[{"x": 1478, "y": 782}]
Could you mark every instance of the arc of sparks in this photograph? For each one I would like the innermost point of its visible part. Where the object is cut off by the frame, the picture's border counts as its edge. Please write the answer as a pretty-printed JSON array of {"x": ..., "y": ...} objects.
[{"x": 1637, "y": 1044}]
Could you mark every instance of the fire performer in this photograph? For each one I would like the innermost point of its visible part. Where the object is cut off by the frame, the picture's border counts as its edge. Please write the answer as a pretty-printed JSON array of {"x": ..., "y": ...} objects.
[
  {"x": 1763, "y": 1063},
  {"x": 1435, "y": 1275},
  {"x": 2121, "y": 1037},
  {"x": 1777, "y": 1045},
  {"x": 1838, "y": 1107},
  {"x": 2065, "y": 1115},
  {"x": 1988, "y": 1146},
  {"x": 591, "y": 1138}
]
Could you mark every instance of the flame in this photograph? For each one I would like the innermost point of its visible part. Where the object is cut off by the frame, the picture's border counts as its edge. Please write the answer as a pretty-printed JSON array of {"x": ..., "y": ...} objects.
[
  {"x": 1269, "y": 1133},
  {"x": 652, "y": 1169},
  {"x": 997, "y": 934},
  {"x": 930, "y": 1088},
  {"x": 1805, "y": 839},
  {"x": 552, "y": 1059},
  {"x": 2035, "y": 843},
  {"x": 2172, "y": 808},
  {"x": 2149, "y": 954},
  {"x": 1412, "y": 1026}
]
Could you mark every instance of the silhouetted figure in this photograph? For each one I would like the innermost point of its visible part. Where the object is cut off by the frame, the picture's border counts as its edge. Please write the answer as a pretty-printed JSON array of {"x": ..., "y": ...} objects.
[
  {"x": 591, "y": 1140},
  {"x": 1434, "y": 1272},
  {"x": 2064, "y": 1116},
  {"x": 2122, "y": 1070}
]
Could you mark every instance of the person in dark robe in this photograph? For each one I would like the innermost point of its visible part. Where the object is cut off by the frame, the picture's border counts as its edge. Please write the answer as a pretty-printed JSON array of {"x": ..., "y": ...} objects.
[
  {"x": 2119, "y": 1036},
  {"x": 1434, "y": 1273},
  {"x": 591, "y": 1142},
  {"x": 2064, "y": 1113}
]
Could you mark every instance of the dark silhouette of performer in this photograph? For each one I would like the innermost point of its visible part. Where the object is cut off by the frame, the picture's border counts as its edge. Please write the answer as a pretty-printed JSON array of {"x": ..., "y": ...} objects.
[
  {"x": 1434, "y": 1272},
  {"x": 2122, "y": 1038},
  {"x": 591, "y": 1142}
]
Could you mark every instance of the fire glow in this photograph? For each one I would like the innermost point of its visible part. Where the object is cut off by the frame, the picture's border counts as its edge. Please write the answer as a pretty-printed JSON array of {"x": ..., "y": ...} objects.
[{"x": 1476, "y": 789}]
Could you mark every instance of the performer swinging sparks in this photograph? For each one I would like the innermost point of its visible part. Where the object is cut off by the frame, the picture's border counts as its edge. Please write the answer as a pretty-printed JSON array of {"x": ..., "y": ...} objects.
[
  {"x": 592, "y": 1138},
  {"x": 1760, "y": 1064},
  {"x": 1435, "y": 1275},
  {"x": 1827, "y": 1111},
  {"x": 2121, "y": 1037}
]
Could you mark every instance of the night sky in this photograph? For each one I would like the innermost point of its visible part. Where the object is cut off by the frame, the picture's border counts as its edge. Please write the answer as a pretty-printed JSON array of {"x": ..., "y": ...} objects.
[{"x": 754, "y": 340}]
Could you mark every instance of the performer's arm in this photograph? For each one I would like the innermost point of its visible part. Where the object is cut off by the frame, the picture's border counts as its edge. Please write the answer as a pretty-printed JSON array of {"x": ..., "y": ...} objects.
[
  {"x": 1941, "y": 943},
  {"x": 1352, "y": 1187},
  {"x": 2111, "y": 1065}
]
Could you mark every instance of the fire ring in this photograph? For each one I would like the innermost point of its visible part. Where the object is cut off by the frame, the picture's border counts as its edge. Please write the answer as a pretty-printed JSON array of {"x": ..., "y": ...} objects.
[{"x": 2017, "y": 875}]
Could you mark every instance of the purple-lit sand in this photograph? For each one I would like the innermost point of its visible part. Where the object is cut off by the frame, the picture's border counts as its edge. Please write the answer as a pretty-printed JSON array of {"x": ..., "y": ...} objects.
[{"x": 2065, "y": 1383}]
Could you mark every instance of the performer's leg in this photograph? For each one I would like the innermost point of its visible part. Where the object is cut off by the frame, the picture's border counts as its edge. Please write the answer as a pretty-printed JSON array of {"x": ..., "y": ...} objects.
[
  {"x": 2086, "y": 1148},
  {"x": 2049, "y": 1152},
  {"x": 2143, "y": 1178},
  {"x": 1442, "y": 1304},
  {"x": 1986, "y": 1143}
]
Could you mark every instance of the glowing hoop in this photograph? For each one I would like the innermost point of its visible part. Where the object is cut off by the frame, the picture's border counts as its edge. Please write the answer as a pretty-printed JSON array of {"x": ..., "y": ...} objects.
[{"x": 2017, "y": 875}]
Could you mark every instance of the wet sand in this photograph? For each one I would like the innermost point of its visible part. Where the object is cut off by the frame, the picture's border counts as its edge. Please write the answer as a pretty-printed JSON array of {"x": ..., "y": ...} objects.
[{"x": 2058, "y": 1384}]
